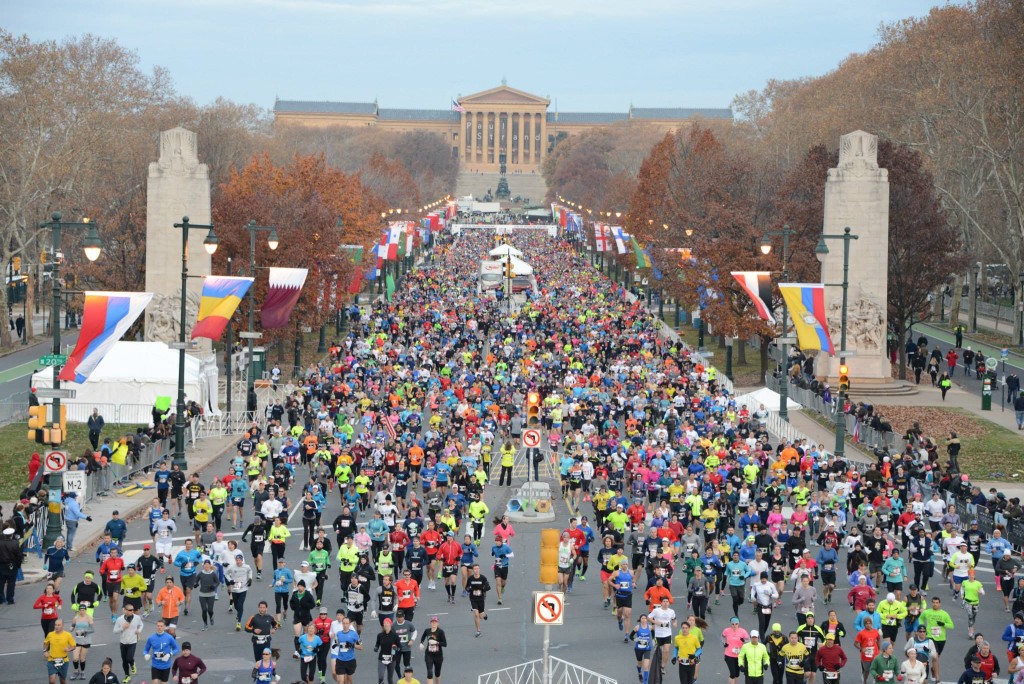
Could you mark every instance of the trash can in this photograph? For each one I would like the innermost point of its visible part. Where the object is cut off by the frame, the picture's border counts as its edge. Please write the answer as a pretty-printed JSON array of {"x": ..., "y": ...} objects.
[{"x": 986, "y": 393}]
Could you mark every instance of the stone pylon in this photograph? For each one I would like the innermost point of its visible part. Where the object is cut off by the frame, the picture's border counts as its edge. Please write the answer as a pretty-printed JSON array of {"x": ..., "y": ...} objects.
[{"x": 857, "y": 196}]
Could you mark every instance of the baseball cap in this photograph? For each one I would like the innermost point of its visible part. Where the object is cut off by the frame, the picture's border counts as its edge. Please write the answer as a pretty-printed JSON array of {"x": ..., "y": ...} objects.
[
  {"x": 754, "y": 634},
  {"x": 777, "y": 627},
  {"x": 434, "y": 618},
  {"x": 304, "y": 564},
  {"x": 323, "y": 610},
  {"x": 267, "y": 651},
  {"x": 147, "y": 547},
  {"x": 830, "y": 637}
]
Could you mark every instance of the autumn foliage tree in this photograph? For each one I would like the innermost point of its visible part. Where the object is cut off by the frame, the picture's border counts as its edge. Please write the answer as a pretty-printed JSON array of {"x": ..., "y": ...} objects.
[{"x": 304, "y": 201}]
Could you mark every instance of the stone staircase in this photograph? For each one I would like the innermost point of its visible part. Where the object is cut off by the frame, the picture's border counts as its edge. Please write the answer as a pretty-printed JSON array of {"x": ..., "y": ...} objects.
[
  {"x": 896, "y": 388},
  {"x": 527, "y": 185}
]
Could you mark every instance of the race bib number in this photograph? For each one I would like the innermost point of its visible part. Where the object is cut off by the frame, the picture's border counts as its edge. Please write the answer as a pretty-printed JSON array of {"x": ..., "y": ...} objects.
[
  {"x": 432, "y": 646},
  {"x": 642, "y": 644},
  {"x": 262, "y": 638},
  {"x": 936, "y": 632},
  {"x": 831, "y": 675},
  {"x": 58, "y": 662},
  {"x": 386, "y": 658},
  {"x": 163, "y": 657},
  {"x": 869, "y": 652},
  {"x": 477, "y": 592},
  {"x": 307, "y": 658},
  {"x": 114, "y": 575},
  {"x": 766, "y": 610}
]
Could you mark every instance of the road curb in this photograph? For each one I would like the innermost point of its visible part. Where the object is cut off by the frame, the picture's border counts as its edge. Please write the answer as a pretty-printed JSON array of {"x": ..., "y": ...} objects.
[{"x": 128, "y": 513}]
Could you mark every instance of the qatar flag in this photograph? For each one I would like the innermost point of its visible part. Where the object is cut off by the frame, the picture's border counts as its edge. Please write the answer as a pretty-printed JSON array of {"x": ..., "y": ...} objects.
[{"x": 282, "y": 295}]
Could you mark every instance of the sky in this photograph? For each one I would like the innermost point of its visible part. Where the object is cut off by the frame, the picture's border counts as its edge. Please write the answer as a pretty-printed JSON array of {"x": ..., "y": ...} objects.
[{"x": 586, "y": 55}]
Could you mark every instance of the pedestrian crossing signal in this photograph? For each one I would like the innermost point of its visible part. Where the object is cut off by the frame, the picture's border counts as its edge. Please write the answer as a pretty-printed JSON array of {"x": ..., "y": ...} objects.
[
  {"x": 844, "y": 378},
  {"x": 37, "y": 430},
  {"x": 532, "y": 409}
]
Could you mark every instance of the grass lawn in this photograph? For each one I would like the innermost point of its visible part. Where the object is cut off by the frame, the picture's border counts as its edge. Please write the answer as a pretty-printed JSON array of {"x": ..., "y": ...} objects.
[
  {"x": 15, "y": 451},
  {"x": 988, "y": 451},
  {"x": 744, "y": 375}
]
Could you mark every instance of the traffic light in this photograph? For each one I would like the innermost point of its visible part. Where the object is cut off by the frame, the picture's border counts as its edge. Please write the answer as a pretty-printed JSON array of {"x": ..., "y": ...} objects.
[
  {"x": 533, "y": 409},
  {"x": 508, "y": 269},
  {"x": 549, "y": 555},
  {"x": 844, "y": 378},
  {"x": 60, "y": 426},
  {"x": 37, "y": 430}
]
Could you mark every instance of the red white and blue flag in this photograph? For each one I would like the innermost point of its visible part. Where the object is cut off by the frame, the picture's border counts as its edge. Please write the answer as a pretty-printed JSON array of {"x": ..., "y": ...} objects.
[{"x": 106, "y": 316}]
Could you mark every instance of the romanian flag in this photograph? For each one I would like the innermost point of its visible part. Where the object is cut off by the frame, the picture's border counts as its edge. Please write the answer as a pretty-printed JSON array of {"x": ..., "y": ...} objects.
[
  {"x": 758, "y": 286},
  {"x": 642, "y": 260},
  {"x": 221, "y": 297},
  {"x": 106, "y": 316},
  {"x": 806, "y": 303},
  {"x": 282, "y": 295}
]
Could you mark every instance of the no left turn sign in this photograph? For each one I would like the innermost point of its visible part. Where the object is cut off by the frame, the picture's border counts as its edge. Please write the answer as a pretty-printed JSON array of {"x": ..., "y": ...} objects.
[
  {"x": 548, "y": 607},
  {"x": 531, "y": 439},
  {"x": 55, "y": 461}
]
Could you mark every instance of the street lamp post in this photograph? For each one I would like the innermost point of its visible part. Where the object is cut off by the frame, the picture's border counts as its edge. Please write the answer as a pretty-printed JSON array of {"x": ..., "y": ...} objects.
[
  {"x": 766, "y": 249},
  {"x": 1020, "y": 310},
  {"x": 228, "y": 344},
  {"x": 821, "y": 251},
  {"x": 272, "y": 243},
  {"x": 92, "y": 246},
  {"x": 974, "y": 299},
  {"x": 210, "y": 243}
]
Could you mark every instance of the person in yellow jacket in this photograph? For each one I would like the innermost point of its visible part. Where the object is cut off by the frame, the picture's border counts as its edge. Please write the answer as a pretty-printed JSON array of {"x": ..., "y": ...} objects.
[
  {"x": 892, "y": 613},
  {"x": 133, "y": 586},
  {"x": 278, "y": 537},
  {"x": 218, "y": 499},
  {"x": 478, "y": 511},
  {"x": 753, "y": 658},
  {"x": 508, "y": 455},
  {"x": 686, "y": 652},
  {"x": 794, "y": 654}
]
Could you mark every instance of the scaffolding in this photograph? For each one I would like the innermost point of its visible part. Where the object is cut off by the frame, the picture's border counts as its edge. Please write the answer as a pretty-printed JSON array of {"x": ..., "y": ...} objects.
[{"x": 533, "y": 672}]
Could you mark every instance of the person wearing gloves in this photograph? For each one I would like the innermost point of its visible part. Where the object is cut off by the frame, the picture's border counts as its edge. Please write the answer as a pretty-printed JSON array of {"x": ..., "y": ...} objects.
[
  {"x": 433, "y": 642},
  {"x": 302, "y": 604},
  {"x": 686, "y": 652},
  {"x": 238, "y": 578},
  {"x": 774, "y": 641},
  {"x": 386, "y": 647},
  {"x": 129, "y": 627},
  {"x": 406, "y": 632},
  {"x": 160, "y": 647},
  {"x": 894, "y": 572},
  {"x": 187, "y": 667},
  {"x": 891, "y": 611},
  {"x": 830, "y": 659},
  {"x": 885, "y": 667},
  {"x": 764, "y": 594},
  {"x": 804, "y": 597},
  {"x": 208, "y": 582},
  {"x": 753, "y": 659}
]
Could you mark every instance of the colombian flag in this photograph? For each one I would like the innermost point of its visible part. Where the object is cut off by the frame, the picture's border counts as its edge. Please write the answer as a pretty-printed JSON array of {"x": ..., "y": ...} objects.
[
  {"x": 221, "y": 296},
  {"x": 106, "y": 316},
  {"x": 806, "y": 303}
]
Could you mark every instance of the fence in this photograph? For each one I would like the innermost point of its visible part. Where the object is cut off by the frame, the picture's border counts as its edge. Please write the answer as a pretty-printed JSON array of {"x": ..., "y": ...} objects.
[
  {"x": 532, "y": 672},
  {"x": 218, "y": 425},
  {"x": 14, "y": 409},
  {"x": 113, "y": 475}
]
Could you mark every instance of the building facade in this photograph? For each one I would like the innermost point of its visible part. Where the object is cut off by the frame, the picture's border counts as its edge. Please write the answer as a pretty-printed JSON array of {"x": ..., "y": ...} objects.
[{"x": 485, "y": 129}]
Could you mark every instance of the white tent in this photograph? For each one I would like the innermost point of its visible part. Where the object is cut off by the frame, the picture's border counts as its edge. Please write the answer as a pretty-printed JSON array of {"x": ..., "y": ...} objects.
[
  {"x": 770, "y": 398},
  {"x": 520, "y": 267},
  {"x": 505, "y": 250},
  {"x": 128, "y": 380}
]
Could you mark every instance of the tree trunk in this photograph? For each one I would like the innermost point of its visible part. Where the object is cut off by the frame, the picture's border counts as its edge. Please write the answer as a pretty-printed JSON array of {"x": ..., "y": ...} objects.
[
  {"x": 954, "y": 304},
  {"x": 30, "y": 306},
  {"x": 298, "y": 355},
  {"x": 741, "y": 353},
  {"x": 5, "y": 330},
  {"x": 764, "y": 356},
  {"x": 901, "y": 340}
]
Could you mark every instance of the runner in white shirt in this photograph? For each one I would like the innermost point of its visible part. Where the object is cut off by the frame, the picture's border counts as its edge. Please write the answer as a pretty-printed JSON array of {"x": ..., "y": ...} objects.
[{"x": 663, "y": 620}]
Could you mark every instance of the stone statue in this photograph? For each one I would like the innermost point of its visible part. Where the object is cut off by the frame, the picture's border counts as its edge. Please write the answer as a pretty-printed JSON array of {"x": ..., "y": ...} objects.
[
  {"x": 163, "y": 313},
  {"x": 865, "y": 324},
  {"x": 178, "y": 155}
]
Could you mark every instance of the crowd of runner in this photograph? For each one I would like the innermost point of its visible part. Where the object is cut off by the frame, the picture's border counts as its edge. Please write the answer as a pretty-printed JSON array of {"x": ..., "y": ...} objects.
[{"x": 685, "y": 502}]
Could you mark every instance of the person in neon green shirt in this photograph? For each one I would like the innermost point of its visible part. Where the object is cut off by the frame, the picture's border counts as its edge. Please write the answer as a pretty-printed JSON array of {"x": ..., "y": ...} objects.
[
  {"x": 973, "y": 591},
  {"x": 478, "y": 511},
  {"x": 937, "y": 621},
  {"x": 618, "y": 519}
]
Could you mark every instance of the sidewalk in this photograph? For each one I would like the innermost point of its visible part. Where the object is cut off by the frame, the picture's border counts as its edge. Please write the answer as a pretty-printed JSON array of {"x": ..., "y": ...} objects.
[
  {"x": 205, "y": 454},
  {"x": 944, "y": 333}
]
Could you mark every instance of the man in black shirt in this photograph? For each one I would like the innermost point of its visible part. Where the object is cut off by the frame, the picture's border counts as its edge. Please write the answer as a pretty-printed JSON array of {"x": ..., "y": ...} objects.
[{"x": 478, "y": 586}]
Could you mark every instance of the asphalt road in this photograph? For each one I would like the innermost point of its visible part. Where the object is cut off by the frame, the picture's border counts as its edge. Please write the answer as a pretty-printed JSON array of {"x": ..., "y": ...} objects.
[
  {"x": 17, "y": 367},
  {"x": 590, "y": 637},
  {"x": 968, "y": 381}
]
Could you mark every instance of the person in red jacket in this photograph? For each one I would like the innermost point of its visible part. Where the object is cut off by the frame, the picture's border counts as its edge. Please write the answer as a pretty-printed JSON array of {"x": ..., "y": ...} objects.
[
  {"x": 112, "y": 572},
  {"x": 322, "y": 625},
  {"x": 408, "y": 594},
  {"x": 448, "y": 554},
  {"x": 637, "y": 513},
  {"x": 50, "y": 604},
  {"x": 859, "y": 595},
  {"x": 34, "y": 464},
  {"x": 830, "y": 658},
  {"x": 399, "y": 543},
  {"x": 431, "y": 540}
]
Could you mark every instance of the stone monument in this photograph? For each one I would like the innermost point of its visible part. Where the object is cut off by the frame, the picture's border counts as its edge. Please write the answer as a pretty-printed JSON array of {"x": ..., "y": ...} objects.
[
  {"x": 178, "y": 186},
  {"x": 857, "y": 196}
]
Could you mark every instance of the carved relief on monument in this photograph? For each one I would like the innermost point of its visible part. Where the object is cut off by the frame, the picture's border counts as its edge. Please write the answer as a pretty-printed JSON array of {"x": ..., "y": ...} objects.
[
  {"x": 178, "y": 155},
  {"x": 163, "y": 315},
  {"x": 858, "y": 157},
  {"x": 865, "y": 321}
]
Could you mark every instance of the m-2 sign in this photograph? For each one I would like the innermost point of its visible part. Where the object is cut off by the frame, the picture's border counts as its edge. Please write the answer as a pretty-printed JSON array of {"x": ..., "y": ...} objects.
[
  {"x": 548, "y": 607},
  {"x": 531, "y": 439},
  {"x": 75, "y": 481},
  {"x": 55, "y": 461}
]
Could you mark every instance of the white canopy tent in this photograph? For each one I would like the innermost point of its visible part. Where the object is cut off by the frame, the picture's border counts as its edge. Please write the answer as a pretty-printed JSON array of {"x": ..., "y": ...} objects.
[
  {"x": 505, "y": 250},
  {"x": 770, "y": 398},
  {"x": 520, "y": 267},
  {"x": 132, "y": 376}
]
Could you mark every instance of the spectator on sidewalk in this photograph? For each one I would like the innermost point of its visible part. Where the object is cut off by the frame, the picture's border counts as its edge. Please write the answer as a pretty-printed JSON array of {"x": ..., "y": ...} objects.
[
  {"x": 95, "y": 425},
  {"x": 11, "y": 558},
  {"x": 72, "y": 516},
  {"x": 1018, "y": 407},
  {"x": 34, "y": 464}
]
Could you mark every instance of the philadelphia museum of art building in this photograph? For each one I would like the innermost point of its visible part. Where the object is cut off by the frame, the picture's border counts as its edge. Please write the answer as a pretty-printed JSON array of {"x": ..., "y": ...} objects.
[{"x": 498, "y": 123}]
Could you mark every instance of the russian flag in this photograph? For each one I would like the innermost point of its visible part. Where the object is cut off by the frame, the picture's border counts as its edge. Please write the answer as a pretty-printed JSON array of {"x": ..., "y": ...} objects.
[
  {"x": 221, "y": 297},
  {"x": 106, "y": 317}
]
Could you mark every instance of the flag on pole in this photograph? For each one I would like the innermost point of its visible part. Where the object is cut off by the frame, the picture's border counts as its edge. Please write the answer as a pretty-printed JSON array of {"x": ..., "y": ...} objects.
[
  {"x": 807, "y": 306},
  {"x": 221, "y": 297},
  {"x": 456, "y": 107},
  {"x": 394, "y": 237},
  {"x": 758, "y": 286},
  {"x": 282, "y": 296},
  {"x": 357, "y": 281},
  {"x": 106, "y": 316},
  {"x": 620, "y": 239},
  {"x": 600, "y": 240},
  {"x": 389, "y": 286},
  {"x": 643, "y": 260}
]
